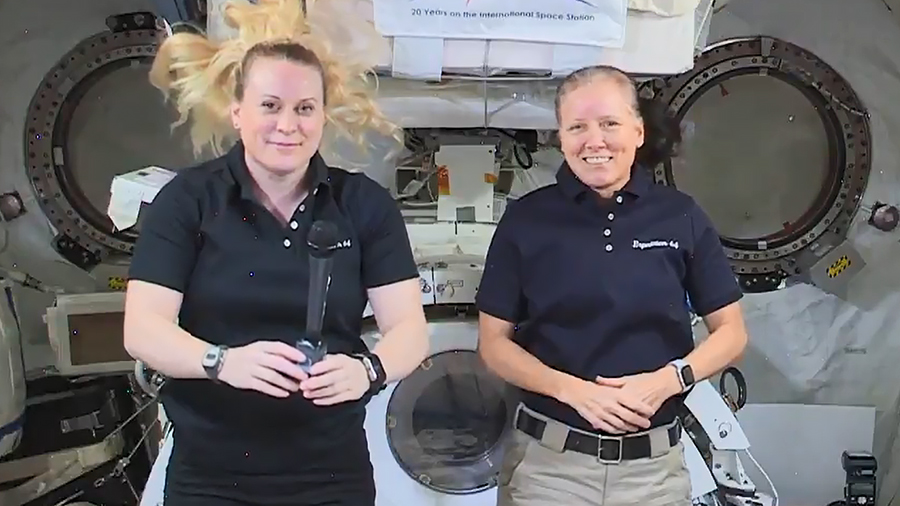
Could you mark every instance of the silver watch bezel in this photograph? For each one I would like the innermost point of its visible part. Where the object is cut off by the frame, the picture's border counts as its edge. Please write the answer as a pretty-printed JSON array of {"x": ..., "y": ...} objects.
[
  {"x": 370, "y": 368},
  {"x": 679, "y": 365},
  {"x": 212, "y": 361}
]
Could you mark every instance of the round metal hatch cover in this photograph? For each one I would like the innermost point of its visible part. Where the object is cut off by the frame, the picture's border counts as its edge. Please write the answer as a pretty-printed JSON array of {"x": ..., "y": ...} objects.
[
  {"x": 776, "y": 149},
  {"x": 95, "y": 116},
  {"x": 447, "y": 421}
]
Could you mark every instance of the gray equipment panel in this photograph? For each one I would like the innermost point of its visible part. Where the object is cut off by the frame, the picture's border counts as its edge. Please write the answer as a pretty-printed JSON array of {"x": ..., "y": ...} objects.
[{"x": 834, "y": 270}]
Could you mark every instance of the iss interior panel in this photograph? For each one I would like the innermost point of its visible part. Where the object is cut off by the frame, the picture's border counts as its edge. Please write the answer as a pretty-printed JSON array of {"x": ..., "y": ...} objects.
[
  {"x": 95, "y": 116},
  {"x": 75, "y": 435},
  {"x": 777, "y": 151},
  {"x": 437, "y": 436},
  {"x": 86, "y": 334}
]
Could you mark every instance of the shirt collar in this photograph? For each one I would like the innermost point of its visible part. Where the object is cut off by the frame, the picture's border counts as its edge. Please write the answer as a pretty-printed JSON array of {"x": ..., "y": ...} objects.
[
  {"x": 316, "y": 174},
  {"x": 573, "y": 188}
]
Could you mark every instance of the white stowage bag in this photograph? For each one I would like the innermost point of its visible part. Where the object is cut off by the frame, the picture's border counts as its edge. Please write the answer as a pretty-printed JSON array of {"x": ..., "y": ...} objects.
[
  {"x": 665, "y": 8},
  {"x": 154, "y": 490},
  {"x": 12, "y": 377}
]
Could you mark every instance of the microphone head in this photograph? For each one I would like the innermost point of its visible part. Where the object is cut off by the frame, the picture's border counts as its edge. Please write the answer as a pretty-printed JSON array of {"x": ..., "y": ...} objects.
[{"x": 322, "y": 237}]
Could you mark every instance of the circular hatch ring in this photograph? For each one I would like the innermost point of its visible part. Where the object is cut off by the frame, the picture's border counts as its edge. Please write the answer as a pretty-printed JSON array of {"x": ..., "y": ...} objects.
[
  {"x": 448, "y": 421},
  {"x": 49, "y": 114},
  {"x": 845, "y": 121}
]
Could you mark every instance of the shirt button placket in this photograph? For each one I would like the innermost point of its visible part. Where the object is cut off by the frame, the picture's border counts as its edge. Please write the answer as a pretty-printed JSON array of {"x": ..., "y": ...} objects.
[
  {"x": 608, "y": 231},
  {"x": 294, "y": 225}
]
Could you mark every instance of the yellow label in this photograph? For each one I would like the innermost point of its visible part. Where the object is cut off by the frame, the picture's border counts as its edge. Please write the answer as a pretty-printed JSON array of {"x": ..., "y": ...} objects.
[
  {"x": 443, "y": 178},
  {"x": 838, "y": 266},
  {"x": 490, "y": 178},
  {"x": 116, "y": 283}
]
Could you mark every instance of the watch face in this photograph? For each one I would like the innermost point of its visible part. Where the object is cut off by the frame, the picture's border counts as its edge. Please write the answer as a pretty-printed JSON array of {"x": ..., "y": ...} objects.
[
  {"x": 211, "y": 357},
  {"x": 687, "y": 375}
]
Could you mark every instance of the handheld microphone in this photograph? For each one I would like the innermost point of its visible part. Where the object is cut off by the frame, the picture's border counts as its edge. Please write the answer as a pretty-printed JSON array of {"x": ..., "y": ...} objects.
[{"x": 321, "y": 239}]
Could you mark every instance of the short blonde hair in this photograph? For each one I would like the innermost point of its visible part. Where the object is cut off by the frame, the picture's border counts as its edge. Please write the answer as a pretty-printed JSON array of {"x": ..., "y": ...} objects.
[
  {"x": 662, "y": 130},
  {"x": 585, "y": 75},
  {"x": 202, "y": 77}
]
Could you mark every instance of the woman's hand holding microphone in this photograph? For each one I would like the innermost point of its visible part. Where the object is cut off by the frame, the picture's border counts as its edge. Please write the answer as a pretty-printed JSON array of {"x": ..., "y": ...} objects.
[
  {"x": 336, "y": 379},
  {"x": 271, "y": 367}
]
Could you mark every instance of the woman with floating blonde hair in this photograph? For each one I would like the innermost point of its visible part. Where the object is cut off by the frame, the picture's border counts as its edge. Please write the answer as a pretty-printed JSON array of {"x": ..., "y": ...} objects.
[{"x": 217, "y": 295}]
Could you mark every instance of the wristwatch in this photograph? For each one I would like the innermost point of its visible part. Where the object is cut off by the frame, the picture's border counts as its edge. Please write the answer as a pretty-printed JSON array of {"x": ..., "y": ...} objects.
[
  {"x": 685, "y": 374},
  {"x": 213, "y": 360},
  {"x": 377, "y": 376}
]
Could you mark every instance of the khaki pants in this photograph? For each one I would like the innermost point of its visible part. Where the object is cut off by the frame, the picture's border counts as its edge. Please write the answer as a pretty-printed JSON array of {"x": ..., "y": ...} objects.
[{"x": 534, "y": 475}]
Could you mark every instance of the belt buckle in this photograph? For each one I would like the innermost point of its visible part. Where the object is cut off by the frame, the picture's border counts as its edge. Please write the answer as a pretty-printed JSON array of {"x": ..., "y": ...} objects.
[{"x": 619, "y": 445}]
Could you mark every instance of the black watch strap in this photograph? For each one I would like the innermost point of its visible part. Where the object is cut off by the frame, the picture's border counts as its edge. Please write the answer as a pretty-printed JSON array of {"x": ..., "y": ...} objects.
[{"x": 375, "y": 370}]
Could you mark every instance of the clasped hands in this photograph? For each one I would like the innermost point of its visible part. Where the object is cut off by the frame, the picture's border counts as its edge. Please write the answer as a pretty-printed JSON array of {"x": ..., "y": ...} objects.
[
  {"x": 621, "y": 405},
  {"x": 271, "y": 367}
]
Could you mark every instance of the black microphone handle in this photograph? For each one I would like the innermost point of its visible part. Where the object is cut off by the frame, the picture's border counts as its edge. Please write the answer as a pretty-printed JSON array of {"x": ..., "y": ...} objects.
[{"x": 319, "y": 272}]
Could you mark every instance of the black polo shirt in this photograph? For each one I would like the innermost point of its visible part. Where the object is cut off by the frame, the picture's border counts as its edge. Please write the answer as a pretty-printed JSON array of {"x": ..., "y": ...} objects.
[
  {"x": 245, "y": 278},
  {"x": 598, "y": 286}
]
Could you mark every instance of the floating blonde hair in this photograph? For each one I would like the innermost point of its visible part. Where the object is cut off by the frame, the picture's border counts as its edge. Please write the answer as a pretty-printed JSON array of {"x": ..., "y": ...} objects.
[{"x": 203, "y": 76}]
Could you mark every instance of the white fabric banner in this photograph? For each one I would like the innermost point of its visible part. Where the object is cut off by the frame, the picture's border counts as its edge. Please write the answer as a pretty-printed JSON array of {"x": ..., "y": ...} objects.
[{"x": 588, "y": 22}]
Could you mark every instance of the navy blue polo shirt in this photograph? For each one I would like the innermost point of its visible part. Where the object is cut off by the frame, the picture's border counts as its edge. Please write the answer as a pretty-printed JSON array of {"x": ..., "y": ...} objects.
[
  {"x": 244, "y": 277},
  {"x": 597, "y": 286}
]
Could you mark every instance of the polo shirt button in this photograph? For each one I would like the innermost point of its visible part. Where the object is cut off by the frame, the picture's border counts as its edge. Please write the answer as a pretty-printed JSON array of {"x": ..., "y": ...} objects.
[
  {"x": 609, "y": 247},
  {"x": 287, "y": 243},
  {"x": 607, "y": 232},
  {"x": 619, "y": 199},
  {"x": 610, "y": 216},
  {"x": 302, "y": 207},
  {"x": 294, "y": 225}
]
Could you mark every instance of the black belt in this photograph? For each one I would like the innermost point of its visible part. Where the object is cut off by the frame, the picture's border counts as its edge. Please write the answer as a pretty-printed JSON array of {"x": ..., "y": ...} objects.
[{"x": 609, "y": 449}]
